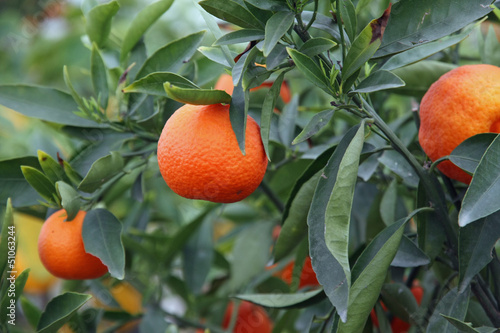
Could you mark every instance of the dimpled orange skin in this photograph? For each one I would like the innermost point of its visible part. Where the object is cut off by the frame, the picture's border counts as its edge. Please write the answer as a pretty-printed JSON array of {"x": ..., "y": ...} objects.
[
  {"x": 462, "y": 103},
  {"x": 61, "y": 249},
  {"x": 199, "y": 157}
]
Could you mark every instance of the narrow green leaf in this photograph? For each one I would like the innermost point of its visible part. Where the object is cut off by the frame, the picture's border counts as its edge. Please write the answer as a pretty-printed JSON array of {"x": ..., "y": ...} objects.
[
  {"x": 329, "y": 271},
  {"x": 5, "y": 246},
  {"x": 280, "y": 301},
  {"x": 217, "y": 55},
  {"x": 98, "y": 73},
  {"x": 141, "y": 23},
  {"x": 388, "y": 203},
  {"x": 43, "y": 103},
  {"x": 268, "y": 110},
  {"x": 409, "y": 255},
  {"x": 30, "y": 311},
  {"x": 98, "y": 22},
  {"x": 277, "y": 56},
  {"x": 318, "y": 121},
  {"x": 241, "y": 36},
  {"x": 348, "y": 15},
  {"x": 231, "y": 12},
  {"x": 369, "y": 274},
  {"x": 152, "y": 84},
  {"x": 52, "y": 169},
  {"x": 101, "y": 233},
  {"x": 242, "y": 65},
  {"x": 196, "y": 96},
  {"x": 468, "y": 154},
  {"x": 76, "y": 96},
  {"x": 9, "y": 300},
  {"x": 170, "y": 57},
  {"x": 317, "y": 45},
  {"x": 14, "y": 186},
  {"x": 364, "y": 46},
  {"x": 462, "y": 326},
  {"x": 101, "y": 171},
  {"x": 399, "y": 299},
  {"x": 323, "y": 23},
  {"x": 72, "y": 174},
  {"x": 287, "y": 119},
  {"x": 480, "y": 198},
  {"x": 276, "y": 27},
  {"x": 379, "y": 80},
  {"x": 310, "y": 69},
  {"x": 475, "y": 243},
  {"x": 39, "y": 182},
  {"x": 397, "y": 164},
  {"x": 414, "y": 22},
  {"x": 70, "y": 199},
  {"x": 423, "y": 51},
  {"x": 238, "y": 110},
  {"x": 59, "y": 311},
  {"x": 338, "y": 209},
  {"x": 453, "y": 305}
]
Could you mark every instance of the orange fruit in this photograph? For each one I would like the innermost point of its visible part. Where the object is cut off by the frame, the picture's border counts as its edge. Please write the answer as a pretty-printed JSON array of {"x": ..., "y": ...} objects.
[
  {"x": 462, "y": 103},
  {"x": 199, "y": 156},
  {"x": 61, "y": 249},
  {"x": 225, "y": 82},
  {"x": 307, "y": 276},
  {"x": 251, "y": 318}
]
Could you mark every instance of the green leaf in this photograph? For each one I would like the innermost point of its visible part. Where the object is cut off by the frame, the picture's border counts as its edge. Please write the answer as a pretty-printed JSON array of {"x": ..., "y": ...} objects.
[
  {"x": 30, "y": 311},
  {"x": 414, "y": 22},
  {"x": 323, "y": 23},
  {"x": 453, "y": 305},
  {"x": 388, "y": 203},
  {"x": 43, "y": 103},
  {"x": 101, "y": 233},
  {"x": 480, "y": 198},
  {"x": 276, "y": 27},
  {"x": 98, "y": 22},
  {"x": 9, "y": 300},
  {"x": 468, "y": 154},
  {"x": 217, "y": 55},
  {"x": 268, "y": 111},
  {"x": 409, "y": 255},
  {"x": 399, "y": 299},
  {"x": 475, "y": 243},
  {"x": 368, "y": 275},
  {"x": 315, "y": 46},
  {"x": 76, "y": 96},
  {"x": 196, "y": 96},
  {"x": 8, "y": 221},
  {"x": 421, "y": 52},
  {"x": 241, "y": 36},
  {"x": 398, "y": 164},
  {"x": 13, "y": 184},
  {"x": 141, "y": 23},
  {"x": 364, "y": 46},
  {"x": 39, "y": 182},
  {"x": 59, "y": 311},
  {"x": 231, "y": 12},
  {"x": 170, "y": 57},
  {"x": 73, "y": 176},
  {"x": 152, "y": 84},
  {"x": 462, "y": 326},
  {"x": 287, "y": 119},
  {"x": 294, "y": 227},
  {"x": 238, "y": 111},
  {"x": 101, "y": 171},
  {"x": 50, "y": 167},
  {"x": 329, "y": 271},
  {"x": 338, "y": 209},
  {"x": 98, "y": 73},
  {"x": 310, "y": 69},
  {"x": 272, "y": 5},
  {"x": 70, "y": 199},
  {"x": 198, "y": 256},
  {"x": 348, "y": 15},
  {"x": 281, "y": 301},
  {"x": 379, "y": 80},
  {"x": 216, "y": 31},
  {"x": 317, "y": 122}
]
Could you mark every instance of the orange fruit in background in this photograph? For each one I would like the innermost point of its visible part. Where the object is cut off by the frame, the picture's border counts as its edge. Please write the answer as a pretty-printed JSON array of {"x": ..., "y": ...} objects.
[
  {"x": 462, "y": 103},
  {"x": 251, "y": 318},
  {"x": 27, "y": 230},
  {"x": 307, "y": 275},
  {"x": 199, "y": 156},
  {"x": 62, "y": 251},
  {"x": 225, "y": 82}
]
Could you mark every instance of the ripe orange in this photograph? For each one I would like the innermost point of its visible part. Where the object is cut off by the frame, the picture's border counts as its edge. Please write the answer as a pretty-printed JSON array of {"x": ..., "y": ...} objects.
[
  {"x": 462, "y": 103},
  {"x": 251, "y": 319},
  {"x": 62, "y": 251},
  {"x": 199, "y": 157},
  {"x": 307, "y": 276},
  {"x": 225, "y": 82}
]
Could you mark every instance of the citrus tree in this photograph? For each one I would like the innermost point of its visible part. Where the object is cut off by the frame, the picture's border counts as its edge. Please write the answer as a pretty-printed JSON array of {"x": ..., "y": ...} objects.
[{"x": 295, "y": 166}]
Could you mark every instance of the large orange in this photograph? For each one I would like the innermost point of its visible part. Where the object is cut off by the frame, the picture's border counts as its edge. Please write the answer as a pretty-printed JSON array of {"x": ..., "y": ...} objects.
[
  {"x": 62, "y": 251},
  {"x": 199, "y": 157},
  {"x": 462, "y": 103},
  {"x": 251, "y": 318}
]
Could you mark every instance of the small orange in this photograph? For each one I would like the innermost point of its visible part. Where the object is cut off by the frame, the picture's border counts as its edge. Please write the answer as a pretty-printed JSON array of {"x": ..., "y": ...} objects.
[
  {"x": 307, "y": 276},
  {"x": 61, "y": 249},
  {"x": 462, "y": 103},
  {"x": 251, "y": 319},
  {"x": 199, "y": 156}
]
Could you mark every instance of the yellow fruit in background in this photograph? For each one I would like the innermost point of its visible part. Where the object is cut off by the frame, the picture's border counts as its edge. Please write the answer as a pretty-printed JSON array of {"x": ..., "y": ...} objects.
[
  {"x": 128, "y": 298},
  {"x": 27, "y": 231}
]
